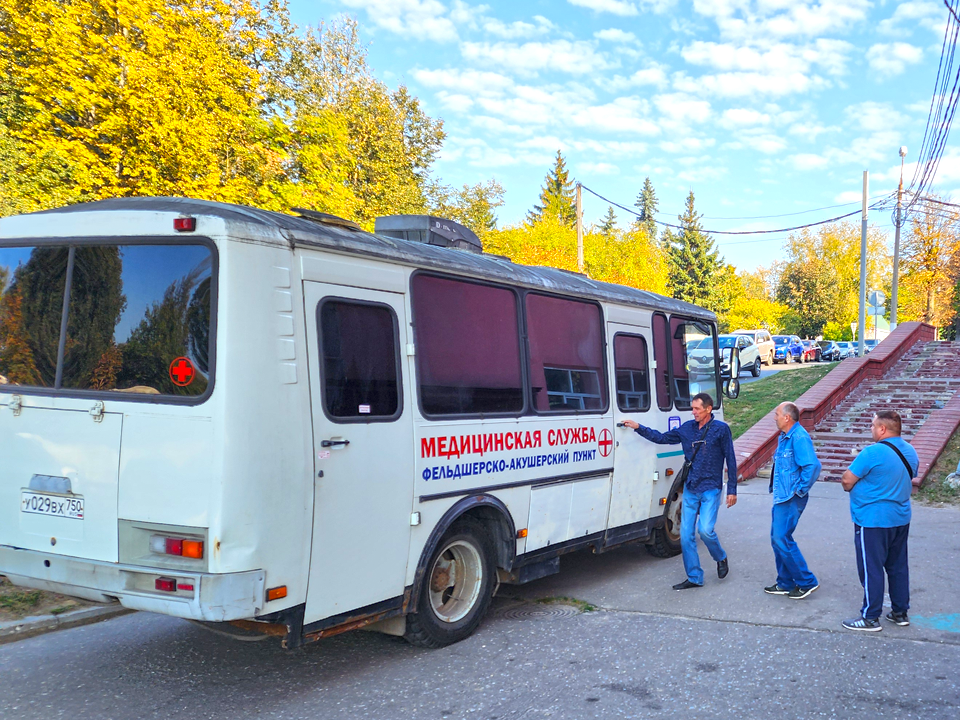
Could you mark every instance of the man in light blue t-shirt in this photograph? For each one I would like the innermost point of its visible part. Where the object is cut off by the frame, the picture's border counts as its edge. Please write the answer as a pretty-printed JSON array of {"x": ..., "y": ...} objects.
[{"x": 880, "y": 483}]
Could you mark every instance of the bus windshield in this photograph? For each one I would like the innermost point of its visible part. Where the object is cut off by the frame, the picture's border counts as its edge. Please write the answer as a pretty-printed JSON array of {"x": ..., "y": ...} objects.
[{"x": 137, "y": 317}]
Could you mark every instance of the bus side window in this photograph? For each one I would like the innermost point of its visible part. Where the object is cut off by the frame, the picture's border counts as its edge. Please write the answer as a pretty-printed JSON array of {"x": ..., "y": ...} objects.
[
  {"x": 361, "y": 360},
  {"x": 633, "y": 382},
  {"x": 566, "y": 354},
  {"x": 468, "y": 347},
  {"x": 663, "y": 363}
]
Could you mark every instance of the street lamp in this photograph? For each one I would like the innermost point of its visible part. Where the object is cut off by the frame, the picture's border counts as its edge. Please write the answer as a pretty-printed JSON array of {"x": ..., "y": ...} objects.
[{"x": 898, "y": 221}]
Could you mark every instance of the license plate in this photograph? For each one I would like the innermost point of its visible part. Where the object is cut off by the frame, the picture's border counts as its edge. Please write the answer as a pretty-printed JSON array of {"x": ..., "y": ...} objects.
[{"x": 55, "y": 505}]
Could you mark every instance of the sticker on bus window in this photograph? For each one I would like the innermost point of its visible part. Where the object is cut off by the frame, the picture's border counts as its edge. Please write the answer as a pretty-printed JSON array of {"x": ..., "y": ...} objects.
[
  {"x": 323, "y": 455},
  {"x": 182, "y": 372},
  {"x": 673, "y": 422},
  {"x": 364, "y": 410}
]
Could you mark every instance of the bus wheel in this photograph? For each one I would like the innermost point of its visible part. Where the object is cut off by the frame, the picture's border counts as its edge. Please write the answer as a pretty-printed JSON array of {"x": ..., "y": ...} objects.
[
  {"x": 457, "y": 587},
  {"x": 665, "y": 540}
]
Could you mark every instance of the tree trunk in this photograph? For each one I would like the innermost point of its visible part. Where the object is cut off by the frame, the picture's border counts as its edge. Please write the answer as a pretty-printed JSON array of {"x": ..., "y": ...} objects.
[{"x": 931, "y": 304}]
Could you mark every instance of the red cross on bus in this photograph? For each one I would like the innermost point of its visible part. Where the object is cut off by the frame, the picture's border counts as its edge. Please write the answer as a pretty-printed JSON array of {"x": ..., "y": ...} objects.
[
  {"x": 182, "y": 372},
  {"x": 605, "y": 442}
]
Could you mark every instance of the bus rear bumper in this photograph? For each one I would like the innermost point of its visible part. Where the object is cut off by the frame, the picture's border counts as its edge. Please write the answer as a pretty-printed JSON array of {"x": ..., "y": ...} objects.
[{"x": 198, "y": 596}]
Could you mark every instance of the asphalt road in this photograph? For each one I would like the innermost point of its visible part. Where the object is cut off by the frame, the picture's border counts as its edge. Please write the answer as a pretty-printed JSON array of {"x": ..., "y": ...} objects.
[
  {"x": 726, "y": 650},
  {"x": 768, "y": 370}
]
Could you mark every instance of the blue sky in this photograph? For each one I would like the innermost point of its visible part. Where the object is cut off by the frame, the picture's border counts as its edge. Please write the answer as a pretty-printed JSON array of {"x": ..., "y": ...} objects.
[{"x": 762, "y": 107}]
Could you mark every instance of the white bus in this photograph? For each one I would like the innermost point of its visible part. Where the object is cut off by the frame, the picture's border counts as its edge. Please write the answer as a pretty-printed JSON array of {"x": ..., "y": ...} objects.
[{"x": 228, "y": 414}]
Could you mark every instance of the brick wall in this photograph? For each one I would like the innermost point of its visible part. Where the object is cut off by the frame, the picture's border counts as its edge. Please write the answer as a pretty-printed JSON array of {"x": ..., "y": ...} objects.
[{"x": 756, "y": 446}]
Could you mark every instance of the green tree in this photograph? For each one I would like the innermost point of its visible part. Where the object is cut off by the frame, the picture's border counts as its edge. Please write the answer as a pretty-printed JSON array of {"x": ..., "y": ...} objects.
[
  {"x": 557, "y": 196},
  {"x": 647, "y": 204},
  {"x": 929, "y": 258},
  {"x": 695, "y": 264},
  {"x": 609, "y": 222},
  {"x": 473, "y": 206}
]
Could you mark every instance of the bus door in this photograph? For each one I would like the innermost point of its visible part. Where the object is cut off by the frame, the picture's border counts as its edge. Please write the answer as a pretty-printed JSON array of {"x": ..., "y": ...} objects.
[
  {"x": 363, "y": 439},
  {"x": 634, "y": 465}
]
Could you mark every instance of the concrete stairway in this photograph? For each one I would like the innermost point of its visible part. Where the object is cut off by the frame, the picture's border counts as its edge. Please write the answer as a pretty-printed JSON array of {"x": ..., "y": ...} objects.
[{"x": 922, "y": 381}]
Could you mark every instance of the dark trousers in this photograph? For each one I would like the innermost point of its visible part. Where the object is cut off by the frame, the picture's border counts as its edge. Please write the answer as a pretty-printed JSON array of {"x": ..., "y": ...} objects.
[{"x": 882, "y": 550}]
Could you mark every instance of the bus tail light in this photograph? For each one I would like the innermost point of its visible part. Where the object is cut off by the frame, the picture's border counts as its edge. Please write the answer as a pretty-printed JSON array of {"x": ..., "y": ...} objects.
[
  {"x": 181, "y": 547},
  {"x": 185, "y": 224},
  {"x": 166, "y": 584}
]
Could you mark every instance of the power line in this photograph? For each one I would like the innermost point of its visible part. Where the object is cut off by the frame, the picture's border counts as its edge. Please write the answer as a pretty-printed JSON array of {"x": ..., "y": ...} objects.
[{"x": 729, "y": 232}]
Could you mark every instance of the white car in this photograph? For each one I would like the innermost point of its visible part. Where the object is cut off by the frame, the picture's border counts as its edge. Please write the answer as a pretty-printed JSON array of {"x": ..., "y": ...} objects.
[
  {"x": 699, "y": 353},
  {"x": 763, "y": 342}
]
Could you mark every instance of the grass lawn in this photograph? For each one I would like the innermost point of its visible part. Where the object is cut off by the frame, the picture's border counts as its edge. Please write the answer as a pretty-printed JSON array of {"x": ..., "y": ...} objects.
[
  {"x": 17, "y": 603},
  {"x": 933, "y": 490},
  {"x": 760, "y": 397}
]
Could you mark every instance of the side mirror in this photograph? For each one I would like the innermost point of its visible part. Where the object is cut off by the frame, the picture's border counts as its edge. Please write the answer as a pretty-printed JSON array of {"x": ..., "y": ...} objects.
[{"x": 731, "y": 388}]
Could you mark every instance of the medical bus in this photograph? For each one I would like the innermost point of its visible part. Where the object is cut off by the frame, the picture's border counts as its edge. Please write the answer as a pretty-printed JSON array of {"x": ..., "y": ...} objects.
[{"x": 285, "y": 422}]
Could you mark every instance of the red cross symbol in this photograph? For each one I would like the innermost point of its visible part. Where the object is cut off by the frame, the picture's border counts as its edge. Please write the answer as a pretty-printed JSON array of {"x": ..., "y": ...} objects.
[
  {"x": 605, "y": 442},
  {"x": 182, "y": 372}
]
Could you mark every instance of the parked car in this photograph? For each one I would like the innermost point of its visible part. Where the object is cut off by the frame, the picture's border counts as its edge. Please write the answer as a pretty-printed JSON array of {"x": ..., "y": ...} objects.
[
  {"x": 830, "y": 351},
  {"x": 787, "y": 349},
  {"x": 847, "y": 349},
  {"x": 870, "y": 344},
  {"x": 811, "y": 351},
  {"x": 763, "y": 341},
  {"x": 750, "y": 358}
]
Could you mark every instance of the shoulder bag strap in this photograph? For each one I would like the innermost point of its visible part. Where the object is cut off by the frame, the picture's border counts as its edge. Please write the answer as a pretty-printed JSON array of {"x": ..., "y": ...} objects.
[{"x": 910, "y": 472}]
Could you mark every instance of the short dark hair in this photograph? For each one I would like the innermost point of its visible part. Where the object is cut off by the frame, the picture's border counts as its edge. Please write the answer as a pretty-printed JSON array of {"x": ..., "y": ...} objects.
[
  {"x": 704, "y": 398},
  {"x": 890, "y": 419},
  {"x": 792, "y": 411}
]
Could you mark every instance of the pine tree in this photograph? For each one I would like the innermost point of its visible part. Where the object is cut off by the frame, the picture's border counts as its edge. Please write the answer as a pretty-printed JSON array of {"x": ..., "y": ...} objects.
[
  {"x": 609, "y": 222},
  {"x": 695, "y": 264},
  {"x": 647, "y": 204},
  {"x": 557, "y": 197}
]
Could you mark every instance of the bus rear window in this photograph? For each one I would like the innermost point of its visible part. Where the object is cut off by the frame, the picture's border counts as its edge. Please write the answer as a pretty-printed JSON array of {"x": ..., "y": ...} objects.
[{"x": 138, "y": 318}]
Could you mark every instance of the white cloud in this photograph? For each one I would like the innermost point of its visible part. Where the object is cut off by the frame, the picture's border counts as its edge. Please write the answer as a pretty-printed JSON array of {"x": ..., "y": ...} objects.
[
  {"x": 615, "y": 35},
  {"x": 616, "y": 7},
  {"x": 809, "y": 161},
  {"x": 748, "y": 85},
  {"x": 652, "y": 75},
  {"x": 518, "y": 29},
  {"x": 769, "y": 19},
  {"x": 624, "y": 114},
  {"x": 576, "y": 57},
  {"x": 427, "y": 18},
  {"x": 927, "y": 14},
  {"x": 687, "y": 145},
  {"x": 893, "y": 58},
  {"x": 601, "y": 168},
  {"x": 743, "y": 117}
]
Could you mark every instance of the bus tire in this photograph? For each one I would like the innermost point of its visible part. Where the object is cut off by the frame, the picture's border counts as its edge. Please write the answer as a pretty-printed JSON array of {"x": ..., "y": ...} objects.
[
  {"x": 665, "y": 540},
  {"x": 457, "y": 587}
]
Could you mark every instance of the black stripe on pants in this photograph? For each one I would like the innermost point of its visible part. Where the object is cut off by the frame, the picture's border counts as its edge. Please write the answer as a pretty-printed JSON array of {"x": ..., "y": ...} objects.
[{"x": 879, "y": 551}]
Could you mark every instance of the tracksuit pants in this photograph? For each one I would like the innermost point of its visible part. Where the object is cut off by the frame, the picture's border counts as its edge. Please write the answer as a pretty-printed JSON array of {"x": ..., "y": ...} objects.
[{"x": 882, "y": 550}]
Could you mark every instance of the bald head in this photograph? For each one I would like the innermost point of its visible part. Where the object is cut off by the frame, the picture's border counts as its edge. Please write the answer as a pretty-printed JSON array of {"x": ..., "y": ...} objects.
[{"x": 786, "y": 415}]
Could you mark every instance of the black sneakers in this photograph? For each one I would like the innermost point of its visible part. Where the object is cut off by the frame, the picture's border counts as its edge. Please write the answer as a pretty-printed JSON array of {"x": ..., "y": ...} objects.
[
  {"x": 800, "y": 593},
  {"x": 896, "y": 618},
  {"x": 723, "y": 567},
  {"x": 685, "y": 584},
  {"x": 776, "y": 590},
  {"x": 862, "y": 624}
]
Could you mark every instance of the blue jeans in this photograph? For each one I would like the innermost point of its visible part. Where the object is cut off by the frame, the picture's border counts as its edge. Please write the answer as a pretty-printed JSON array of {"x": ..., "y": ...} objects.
[
  {"x": 703, "y": 505},
  {"x": 792, "y": 570}
]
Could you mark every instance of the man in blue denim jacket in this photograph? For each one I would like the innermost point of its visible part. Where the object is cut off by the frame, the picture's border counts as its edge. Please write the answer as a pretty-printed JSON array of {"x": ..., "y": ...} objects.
[{"x": 795, "y": 470}]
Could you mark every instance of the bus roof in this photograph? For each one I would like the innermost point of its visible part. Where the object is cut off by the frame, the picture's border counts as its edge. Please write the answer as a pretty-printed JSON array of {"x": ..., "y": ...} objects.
[{"x": 294, "y": 231}]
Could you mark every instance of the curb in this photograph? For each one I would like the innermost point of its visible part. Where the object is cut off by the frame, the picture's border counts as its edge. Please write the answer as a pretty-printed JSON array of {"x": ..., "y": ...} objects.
[{"x": 14, "y": 630}]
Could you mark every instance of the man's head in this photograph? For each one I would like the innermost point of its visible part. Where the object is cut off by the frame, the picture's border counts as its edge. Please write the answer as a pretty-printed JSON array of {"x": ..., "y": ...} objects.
[
  {"x": 886, "y": 423},
  {"x": 786, "y": 415},
  {"x": 701, "y": 406}
]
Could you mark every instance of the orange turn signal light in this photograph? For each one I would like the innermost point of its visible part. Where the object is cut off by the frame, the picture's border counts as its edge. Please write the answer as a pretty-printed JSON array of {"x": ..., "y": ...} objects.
[
  {"x": 276, "y": 593},
  {"x": 669, "y": 472},
  {"x": 521, "y": 533},
  {"x": 193, "y": 549},
  {"x": 663, "y": 501}
]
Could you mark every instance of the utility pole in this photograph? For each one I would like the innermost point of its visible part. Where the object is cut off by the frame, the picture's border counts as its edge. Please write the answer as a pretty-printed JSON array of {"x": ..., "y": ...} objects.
[
  {"x": 579, "y": 230},
  {"x": 861, "y": 325},
  {"x": 898, "y": 221}
]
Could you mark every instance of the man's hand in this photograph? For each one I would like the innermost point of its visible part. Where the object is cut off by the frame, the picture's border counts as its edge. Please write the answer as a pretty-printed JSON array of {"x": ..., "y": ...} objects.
[
  {"x": 731, "y": 500},
  {"x": 632, "y": 424}
]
